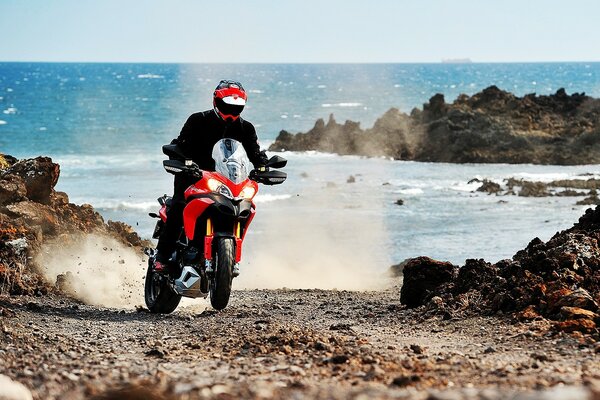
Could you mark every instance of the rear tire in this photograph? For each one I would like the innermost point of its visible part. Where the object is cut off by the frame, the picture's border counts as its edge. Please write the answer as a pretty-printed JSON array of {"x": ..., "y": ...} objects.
[
  {"x": 220, "y": 285},
  {"x": 159, "y": 296}
]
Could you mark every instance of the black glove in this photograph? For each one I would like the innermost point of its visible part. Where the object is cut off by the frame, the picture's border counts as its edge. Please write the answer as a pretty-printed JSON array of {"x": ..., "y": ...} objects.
[{"x": 194, "y": 171}]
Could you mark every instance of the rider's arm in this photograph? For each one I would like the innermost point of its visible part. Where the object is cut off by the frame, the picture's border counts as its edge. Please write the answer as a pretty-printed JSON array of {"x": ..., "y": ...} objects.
[
  {"x": 252, "y": 147},
  {"x": 186, "y": 134}
]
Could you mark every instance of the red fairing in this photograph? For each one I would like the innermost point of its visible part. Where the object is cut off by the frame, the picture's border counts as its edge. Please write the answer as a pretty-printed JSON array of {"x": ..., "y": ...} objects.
[
  {"x": 192, "y": 212},
  {"x": 250, "y": 218},
  {"x": 201, "y": 186},
  {"x": 163, "y": 213},
  {"x": 196, "y": 207}
]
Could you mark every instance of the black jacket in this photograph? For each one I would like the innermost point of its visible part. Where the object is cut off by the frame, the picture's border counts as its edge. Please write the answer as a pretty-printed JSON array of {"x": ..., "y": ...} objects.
[{"x": 202, "y": 130}]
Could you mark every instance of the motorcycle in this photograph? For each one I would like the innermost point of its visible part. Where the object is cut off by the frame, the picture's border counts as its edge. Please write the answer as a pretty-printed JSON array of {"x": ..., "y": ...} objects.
[{"x": 219, "y": 209}]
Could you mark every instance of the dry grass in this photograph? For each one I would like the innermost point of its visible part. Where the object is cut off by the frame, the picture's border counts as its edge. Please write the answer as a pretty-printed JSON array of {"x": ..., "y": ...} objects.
[{"x": 3, "y": 163}]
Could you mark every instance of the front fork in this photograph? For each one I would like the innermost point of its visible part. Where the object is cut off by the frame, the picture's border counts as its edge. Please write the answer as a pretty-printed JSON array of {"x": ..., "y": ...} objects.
[{"x": 208, "y": 245}]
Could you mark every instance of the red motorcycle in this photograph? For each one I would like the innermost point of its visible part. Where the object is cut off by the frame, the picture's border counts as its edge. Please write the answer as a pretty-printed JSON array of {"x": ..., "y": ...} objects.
[{"x": 219, "y": 209}]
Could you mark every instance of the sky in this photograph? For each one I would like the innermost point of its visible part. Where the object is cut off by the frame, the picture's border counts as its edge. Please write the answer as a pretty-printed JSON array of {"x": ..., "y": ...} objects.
[{"x": 299, "y": 31}]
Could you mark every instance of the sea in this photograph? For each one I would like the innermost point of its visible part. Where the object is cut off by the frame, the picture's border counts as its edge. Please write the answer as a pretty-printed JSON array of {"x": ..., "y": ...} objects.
[{"x": 105, "y": 123}]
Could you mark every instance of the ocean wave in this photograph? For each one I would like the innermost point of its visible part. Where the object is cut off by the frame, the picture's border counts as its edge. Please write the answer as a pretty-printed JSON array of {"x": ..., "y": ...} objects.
[
  {"x": 3, "y": 122},
  {"x": 150, "y": 76},
  {"x": 256, "y": 91},
  {"x": 267, "y": 198},
  {"x": 92, "y": 162},
  {"x": 549, "y": 177},
  {"x": 410, "y": 191},
  {"x": 126, "y": 205},
  {"x": 328, "y": 105},
  {"x": 465, "y": 187},
  {"x": 10, "y": 110}
]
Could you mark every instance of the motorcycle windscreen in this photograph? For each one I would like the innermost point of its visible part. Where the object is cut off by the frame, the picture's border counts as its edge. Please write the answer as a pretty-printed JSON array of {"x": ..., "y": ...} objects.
[{"x": 231, "y": 160}]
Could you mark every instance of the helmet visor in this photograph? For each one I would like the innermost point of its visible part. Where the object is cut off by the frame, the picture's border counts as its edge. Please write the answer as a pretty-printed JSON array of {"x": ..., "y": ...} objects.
[{"x": 228, "y": 109}]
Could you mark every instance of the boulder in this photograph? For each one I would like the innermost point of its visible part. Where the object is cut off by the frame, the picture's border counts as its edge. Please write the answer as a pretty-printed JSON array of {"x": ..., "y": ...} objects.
[
  {"x": 423, "y": 278},
  {"x": 39, "y": 175}
]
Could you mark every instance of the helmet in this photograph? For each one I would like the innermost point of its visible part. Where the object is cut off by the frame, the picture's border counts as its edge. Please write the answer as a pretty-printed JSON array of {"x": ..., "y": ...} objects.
[{"x": 229, "y": 100}]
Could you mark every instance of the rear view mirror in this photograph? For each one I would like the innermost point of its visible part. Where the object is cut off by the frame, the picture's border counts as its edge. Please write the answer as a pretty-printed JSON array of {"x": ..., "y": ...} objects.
[
  {"x": 276, "y": 162},
  {"x": 270, "y": 177}
]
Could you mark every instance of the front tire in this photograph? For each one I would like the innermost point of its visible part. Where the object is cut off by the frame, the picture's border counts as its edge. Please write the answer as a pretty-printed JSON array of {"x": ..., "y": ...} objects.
[
  {"x": 220, "y": 285},
  {"x": 160, "y": 298}
]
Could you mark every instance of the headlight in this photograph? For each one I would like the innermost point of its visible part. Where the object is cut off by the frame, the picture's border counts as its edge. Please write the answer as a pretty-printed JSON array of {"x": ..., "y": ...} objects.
[
  {"x": 248, "y": 192},
  {"x": 217, "y": 186},
  {"x": 213, "y": 184}
]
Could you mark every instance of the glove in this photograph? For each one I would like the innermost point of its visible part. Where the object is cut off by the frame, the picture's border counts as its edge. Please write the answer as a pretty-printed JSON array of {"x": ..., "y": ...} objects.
[{"x": 194, "y": 171}]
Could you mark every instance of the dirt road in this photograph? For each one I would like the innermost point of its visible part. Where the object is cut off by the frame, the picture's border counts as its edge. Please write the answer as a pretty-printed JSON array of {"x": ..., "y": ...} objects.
[{"x": 292, "y": 344}]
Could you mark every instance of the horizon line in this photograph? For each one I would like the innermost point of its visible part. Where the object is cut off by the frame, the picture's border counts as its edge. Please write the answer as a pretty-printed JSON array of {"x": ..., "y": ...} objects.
[{"x": 441, "y": 62}]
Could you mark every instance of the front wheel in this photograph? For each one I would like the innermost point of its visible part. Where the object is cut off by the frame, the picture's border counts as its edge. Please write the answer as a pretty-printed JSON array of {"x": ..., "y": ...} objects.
[
  {"x": 160, "y": 298},
  {"x": 220, "y": 285}
]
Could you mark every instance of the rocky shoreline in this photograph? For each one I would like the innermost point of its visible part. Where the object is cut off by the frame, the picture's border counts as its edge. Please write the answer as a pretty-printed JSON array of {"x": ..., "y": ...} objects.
[
  {"x": 558, "y": 280},
  {"x": 587, "y": 189},
  {"x": 492, "y": 126},
  {"x": 32, "y": 214}
]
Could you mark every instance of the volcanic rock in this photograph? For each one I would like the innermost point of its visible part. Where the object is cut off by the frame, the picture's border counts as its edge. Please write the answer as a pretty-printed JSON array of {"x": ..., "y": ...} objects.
[
  {"x": 423, "y": 277},
  {"x": 558, "y": 279},
  {"x": 32, "y": 213},
  {"x": 492, "y": 126}
]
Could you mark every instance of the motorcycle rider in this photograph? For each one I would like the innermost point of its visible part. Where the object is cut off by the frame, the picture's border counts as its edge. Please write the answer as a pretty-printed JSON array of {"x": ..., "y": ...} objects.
[{"x": 196, "y": 140}]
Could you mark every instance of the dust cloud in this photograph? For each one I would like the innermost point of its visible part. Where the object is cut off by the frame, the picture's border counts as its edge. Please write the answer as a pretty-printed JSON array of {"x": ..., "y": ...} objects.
[
  {"x": 95, "y": 269},
  {"x": 329, "y": 239}
]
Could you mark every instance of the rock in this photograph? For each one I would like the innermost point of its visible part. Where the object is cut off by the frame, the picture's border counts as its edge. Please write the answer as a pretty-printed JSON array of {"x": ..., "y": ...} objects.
[
  {"x": 12, "y": 189},
  {"x": 558, "y": 280},
  {"x": 589, "y": 201},
  {"x": 489, "y": 187},
  {"x": 576, "y": 325},
  {"x": 155, "y": 353},
  {"x": 577, "y": 313},
  {"x": 405, "y": 380},
  {"x": 11, "y": 390},
  {"x": 492, "y": 126},
  {"x": 340, "y": 359},
  {"x": 416, "y": 349},
  {"x": 32, "y": 213},
  {"x": 423, "y": 277},
  {"x": 533, "y": 189},
  {"x": 399, "y": 202},
  {"x": 578, "y": 298},
  {"x": 351, "y": 179},
  {"x": 39, "y": 175}
]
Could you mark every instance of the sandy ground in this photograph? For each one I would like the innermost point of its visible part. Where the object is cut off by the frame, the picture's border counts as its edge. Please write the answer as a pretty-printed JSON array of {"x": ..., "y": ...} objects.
[{"x": 289, "y": 344}]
